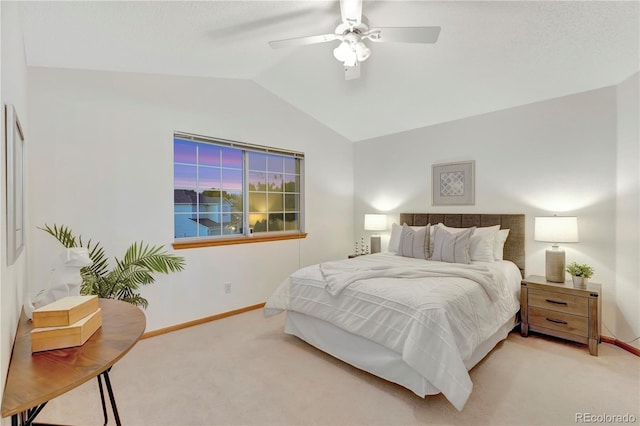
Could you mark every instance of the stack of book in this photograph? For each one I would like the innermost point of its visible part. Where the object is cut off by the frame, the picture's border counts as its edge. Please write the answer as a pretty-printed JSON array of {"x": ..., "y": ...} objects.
[{"x": 65, "y": 323}]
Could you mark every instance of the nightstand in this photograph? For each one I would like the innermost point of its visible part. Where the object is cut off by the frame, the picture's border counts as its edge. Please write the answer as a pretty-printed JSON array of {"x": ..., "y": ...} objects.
[{"x": 561, "y": 310}]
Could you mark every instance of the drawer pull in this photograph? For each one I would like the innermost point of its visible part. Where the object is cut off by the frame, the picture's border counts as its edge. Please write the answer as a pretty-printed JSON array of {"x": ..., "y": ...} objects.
[
  {"x": 557, "y": 321},
  {"x": 555, "y": 302}
]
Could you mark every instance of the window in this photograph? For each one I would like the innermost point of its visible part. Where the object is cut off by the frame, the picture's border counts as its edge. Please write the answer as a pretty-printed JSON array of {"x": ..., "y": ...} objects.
[{"x": 226, "y": 189}]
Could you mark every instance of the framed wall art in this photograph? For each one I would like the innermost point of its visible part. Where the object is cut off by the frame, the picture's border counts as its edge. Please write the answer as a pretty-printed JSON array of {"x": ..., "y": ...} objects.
[
  {"x": 14, "y": 140},
  {"x": 453, "y": 184}
]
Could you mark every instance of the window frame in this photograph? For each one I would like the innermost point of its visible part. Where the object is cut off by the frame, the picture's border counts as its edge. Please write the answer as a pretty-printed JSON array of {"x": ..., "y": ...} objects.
[{"x": 247, "y": 236}]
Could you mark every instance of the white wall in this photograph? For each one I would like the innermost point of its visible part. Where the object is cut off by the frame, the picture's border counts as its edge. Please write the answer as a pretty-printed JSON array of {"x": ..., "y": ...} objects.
[
  {"x": 627, "y": 317},
  {"x": 13, "y": 90},
  {"x": 557, "y": 156},
  {"x": 101, "y": 163}
]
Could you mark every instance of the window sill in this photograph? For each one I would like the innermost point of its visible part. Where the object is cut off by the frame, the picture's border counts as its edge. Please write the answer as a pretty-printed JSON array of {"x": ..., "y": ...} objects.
[{"x": 237, "y": 240}]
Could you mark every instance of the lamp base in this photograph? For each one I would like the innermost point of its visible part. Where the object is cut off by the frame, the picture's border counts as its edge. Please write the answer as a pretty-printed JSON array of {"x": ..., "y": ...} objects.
[
  {"x": 375, "y": 244},
  {"x": 554, "y": 265}
]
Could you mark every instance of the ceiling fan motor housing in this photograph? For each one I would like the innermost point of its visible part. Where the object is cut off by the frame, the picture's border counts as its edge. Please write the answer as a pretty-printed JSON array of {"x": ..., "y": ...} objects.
[{"x": 352, "y": 50}]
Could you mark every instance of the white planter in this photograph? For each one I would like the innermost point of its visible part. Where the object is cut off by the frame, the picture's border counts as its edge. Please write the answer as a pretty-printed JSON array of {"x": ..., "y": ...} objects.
[{"x": 579, "y": 282}]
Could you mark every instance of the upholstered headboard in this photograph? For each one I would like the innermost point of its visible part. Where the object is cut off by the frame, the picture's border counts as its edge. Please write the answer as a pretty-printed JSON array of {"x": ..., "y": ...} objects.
[{"x": 513, "y": 247}]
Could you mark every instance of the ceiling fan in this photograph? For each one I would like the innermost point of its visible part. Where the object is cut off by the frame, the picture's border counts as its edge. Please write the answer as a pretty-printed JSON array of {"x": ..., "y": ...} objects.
[{"x": 352, "y": 32}]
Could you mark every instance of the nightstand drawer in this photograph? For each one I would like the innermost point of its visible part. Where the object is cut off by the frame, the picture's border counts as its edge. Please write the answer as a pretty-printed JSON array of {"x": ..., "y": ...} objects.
[
  {"x": 559, "y": 321},
  {"x": 559, "y": 302}
]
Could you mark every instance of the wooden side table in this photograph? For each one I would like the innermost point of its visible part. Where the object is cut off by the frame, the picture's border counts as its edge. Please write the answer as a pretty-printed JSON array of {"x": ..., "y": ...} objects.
[
  {"x": 35, "y": 379},
  {"x": 561, "y": 310}
]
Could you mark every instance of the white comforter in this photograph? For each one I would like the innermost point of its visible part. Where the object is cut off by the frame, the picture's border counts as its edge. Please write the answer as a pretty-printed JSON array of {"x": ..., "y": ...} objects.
[{"x": 435, "y": 320}]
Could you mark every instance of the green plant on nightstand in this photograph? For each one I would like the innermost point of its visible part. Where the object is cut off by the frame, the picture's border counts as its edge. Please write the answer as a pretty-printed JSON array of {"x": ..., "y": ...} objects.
[{"x": 580, "y": 273}]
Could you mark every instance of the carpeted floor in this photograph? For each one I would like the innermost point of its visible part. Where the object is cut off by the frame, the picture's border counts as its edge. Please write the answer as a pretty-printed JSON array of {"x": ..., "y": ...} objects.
[{"x": 243, "y": 370}]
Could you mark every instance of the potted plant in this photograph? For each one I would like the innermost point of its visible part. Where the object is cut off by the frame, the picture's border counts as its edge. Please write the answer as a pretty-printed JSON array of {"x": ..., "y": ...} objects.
[
  {"x": 580, "y": 273},
  {"x": 140, "y": 261}
]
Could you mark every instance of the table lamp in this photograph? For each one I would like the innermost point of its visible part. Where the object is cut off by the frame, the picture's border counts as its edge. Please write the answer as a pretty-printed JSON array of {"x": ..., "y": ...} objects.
[
  {"x": 375, "y": 222},
  {"x": 556, "y": 229}
]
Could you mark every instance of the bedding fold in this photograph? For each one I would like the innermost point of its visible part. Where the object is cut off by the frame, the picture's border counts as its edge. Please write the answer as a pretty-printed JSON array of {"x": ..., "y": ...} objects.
[{"x": 340, "y": 276}]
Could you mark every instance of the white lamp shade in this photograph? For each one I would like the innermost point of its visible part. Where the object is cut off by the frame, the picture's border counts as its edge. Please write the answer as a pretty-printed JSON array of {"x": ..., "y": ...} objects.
[
  {"x": 556, "y": 229},
  {"x": 342, "y": 52},
  {"x": 375, "y": 222}
]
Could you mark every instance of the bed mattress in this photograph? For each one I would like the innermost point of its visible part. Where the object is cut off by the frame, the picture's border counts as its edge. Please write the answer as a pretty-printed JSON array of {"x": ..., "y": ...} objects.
[{"x": 436, "y": 323}]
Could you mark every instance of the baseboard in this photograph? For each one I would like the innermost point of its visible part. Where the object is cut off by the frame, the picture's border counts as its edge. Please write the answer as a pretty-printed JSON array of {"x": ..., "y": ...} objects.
[
  {"x": 627, "y": 347},
  {"x": 201, "y": 321}
]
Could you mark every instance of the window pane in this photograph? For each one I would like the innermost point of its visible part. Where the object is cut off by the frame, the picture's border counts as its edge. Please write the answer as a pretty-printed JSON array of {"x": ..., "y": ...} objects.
[
  {"x": 234, "y": 199},
  {"x": 184, "y": 226},
  {"x": 291, "y": 222},
  {"x": 257, "y": 181},
  {"x": 233, "y": 225},
  {"x": 210, "y": 201},
  {"x": 275, "y": 182},
  {"x": 210, "y": 224},
  {"x": 184, "y": 151},
  {"x": 184, "y": 176},
  {"x": 257, "y": 202},
  {"x": 291, "y": 165},
  {"x": 257, "y": 161},
  {"x": 276, "y": 222},
  {"x": 258, "y": 222},
  {"x": 232, "y": 157},
  {"x": 208, "y": 177},
  {"x": 290, "y": 202},
  {"x": 291, "y": 183},
  {"x": 275, "y": 163},
  {"x": 276, "y": 202},
  {"x": 232, "y": 179},
  {"x": 185, "y": 197},
  {"x": 209, "y": 155}
]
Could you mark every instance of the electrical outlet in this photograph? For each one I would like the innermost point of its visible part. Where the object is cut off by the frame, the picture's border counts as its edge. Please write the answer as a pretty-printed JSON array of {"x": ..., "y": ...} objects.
[{"x": 227, "y": 287}]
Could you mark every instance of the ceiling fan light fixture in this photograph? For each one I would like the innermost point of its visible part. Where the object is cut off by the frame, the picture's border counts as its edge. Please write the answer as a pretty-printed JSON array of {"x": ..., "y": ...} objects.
[
  {"x": 343, "y": 51},
  {"x": 362, "y": 51},
  {"x": 353, "y": 30},
  {"x": 351, "y": 60}
]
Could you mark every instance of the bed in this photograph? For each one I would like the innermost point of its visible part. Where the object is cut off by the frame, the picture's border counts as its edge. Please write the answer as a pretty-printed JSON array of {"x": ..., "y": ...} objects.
[{"x": 422, "y": 314}]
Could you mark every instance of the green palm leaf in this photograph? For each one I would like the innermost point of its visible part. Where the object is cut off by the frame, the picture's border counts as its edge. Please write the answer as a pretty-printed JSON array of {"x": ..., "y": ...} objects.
[{"x": 136, "y": 268}]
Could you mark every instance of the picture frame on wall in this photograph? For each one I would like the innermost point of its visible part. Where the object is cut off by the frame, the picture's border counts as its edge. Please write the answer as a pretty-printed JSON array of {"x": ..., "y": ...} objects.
[
  {"x": 14, "y": 149},
  {"x": 453, "y": 184}
]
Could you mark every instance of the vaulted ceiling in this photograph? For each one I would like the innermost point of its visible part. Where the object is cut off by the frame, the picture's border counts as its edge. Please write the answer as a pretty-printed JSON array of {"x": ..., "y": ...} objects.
[{"x": 491, "y": 55}]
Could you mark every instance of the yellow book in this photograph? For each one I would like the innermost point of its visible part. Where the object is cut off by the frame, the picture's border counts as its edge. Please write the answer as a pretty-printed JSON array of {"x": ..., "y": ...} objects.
[
  {"x": 48, "y": 338},
  {"x": 65, "y": 311}
]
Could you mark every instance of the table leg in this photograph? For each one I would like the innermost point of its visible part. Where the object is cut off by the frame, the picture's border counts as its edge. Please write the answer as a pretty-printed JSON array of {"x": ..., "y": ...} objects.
[
  {"x": 112, "y": 399},
  {"x": 104, "y": 406},
  {"x": 26, "y": 418}
]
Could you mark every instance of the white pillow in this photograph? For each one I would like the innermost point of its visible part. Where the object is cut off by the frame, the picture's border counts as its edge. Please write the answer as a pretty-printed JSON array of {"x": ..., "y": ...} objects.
[
  {"x": 394, "y": 240},
  {"x": 452, "y": 247},
  {"x": 414, "y": 243},
  {"x": 483, "y": 241},
  {"x": 498, "y": 247}
]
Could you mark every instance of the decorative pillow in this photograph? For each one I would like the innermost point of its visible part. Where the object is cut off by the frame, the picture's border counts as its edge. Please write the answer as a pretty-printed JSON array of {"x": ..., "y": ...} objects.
[
  {"x": 498, "y": 247},
  {"x": 396, "y": 230},
  {"x": 414, "y": 243},
  {"x": 394, "y": 240},
  {"x": 452, "y": 247},
  {"x": 483, "y": 243}
]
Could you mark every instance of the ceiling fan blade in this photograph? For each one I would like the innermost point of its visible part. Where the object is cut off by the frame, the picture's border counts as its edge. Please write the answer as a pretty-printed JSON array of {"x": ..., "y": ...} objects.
[
  {"x": 405, "y": 34},
  {"x": 351, "y": 11},
  {"x": 301, "y": 41},
  {"x": 351, "y": 73}
]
